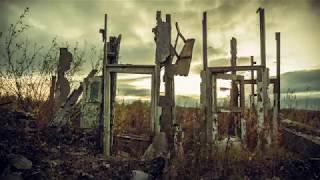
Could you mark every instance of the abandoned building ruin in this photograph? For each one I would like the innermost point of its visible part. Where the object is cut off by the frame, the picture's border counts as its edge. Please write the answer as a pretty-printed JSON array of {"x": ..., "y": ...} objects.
[
  {"x": 259, "y": 99},
  {"x": 162, "y": 107},
  {"x": 99, "y": 92}
]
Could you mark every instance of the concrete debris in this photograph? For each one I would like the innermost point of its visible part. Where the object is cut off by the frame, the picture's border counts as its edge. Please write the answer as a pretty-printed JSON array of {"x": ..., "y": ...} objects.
[
  {"x": 62, "y": 84},
  {"x": 61, "y": 116},
  {"x": 19, "y": 162},
  {"x": 140, "y": 175},
  {"x": 159, "y": 147},
  {"x": 184, "y": 59}
]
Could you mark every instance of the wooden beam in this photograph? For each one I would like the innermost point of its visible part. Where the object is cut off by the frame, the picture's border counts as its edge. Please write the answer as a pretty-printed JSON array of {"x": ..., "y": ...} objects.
[
  {"x": 223, "y": 69},
  {"x": 130, "y": 68},
  {"x": 254, "y": 81}
]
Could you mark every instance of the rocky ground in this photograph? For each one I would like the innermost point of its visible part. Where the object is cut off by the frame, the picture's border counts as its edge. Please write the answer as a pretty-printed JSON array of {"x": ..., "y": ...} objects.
[
  {"x": 58, "y": 153},
  {"x": 27, "y": 152}
]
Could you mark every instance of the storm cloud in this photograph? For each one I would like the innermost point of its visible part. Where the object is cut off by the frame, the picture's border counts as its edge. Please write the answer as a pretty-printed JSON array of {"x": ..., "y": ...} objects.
[{"x": 74, "y": 20}]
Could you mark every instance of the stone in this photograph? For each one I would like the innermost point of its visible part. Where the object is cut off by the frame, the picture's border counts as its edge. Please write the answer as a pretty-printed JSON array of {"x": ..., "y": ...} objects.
[
  {"x": 20, "y": 162},
  {"x": 140, "y": 175},
  {"x": 158, "y": 147}
]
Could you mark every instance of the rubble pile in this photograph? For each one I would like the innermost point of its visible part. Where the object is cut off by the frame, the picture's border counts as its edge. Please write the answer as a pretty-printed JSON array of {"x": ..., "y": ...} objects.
[{"x": 27, "y": 152}]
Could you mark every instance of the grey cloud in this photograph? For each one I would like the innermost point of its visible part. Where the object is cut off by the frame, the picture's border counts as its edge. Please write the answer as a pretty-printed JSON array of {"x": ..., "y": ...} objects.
[
  {"x": 296, "y": 19},
  {"x": 241, "y": 61},
  {"x": 131, "y": 80},
  {"x": 129, "y": 90},
  {"x": 143, "y": 54},
  {"x": 300, "y": 81}
]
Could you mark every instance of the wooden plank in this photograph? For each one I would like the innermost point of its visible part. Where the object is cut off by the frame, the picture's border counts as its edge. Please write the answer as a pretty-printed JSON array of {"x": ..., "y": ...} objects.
[
  {"x": 226, "y": 76},
  {"x": 131, "y": 69},
  {"x": 223, "y": 69},
  {"x": 249, "y": 81}
]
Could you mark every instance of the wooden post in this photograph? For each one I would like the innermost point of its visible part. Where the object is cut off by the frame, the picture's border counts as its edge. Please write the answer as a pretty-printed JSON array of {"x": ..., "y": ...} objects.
[
  {"x": 210, "y": 104},
  {"x": 234, "y": 88},
  {"x": 262, "y": 37},
  {"x": 252, "y": 85},
  {"x": 234, "y": 92},
  {"x": 277, "y": 93},
  {"x": 204, "y": 41},
  {"x": 113, "y": 47},
  {"x": 278, "y": 69},
  {"x": 105, "y": 94},
  {"x": 213, "y": 116},
  {"x": 252, "y": 75},
  {"x": 157, "y": 81}
]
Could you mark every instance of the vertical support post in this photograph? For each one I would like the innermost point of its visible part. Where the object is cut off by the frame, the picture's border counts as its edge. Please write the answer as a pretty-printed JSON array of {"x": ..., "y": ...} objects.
[
  {"x": 243, "y": 123},
  {"x": 213, "y": 119},
  {"x": 113, "y": 47},
  {"x": 204, "y": 41},
  {"x": 210, "y": 91},
  {"x": 157, "y": 80},
  {"x": 278, "y": 69},
  {"x": 234, "y": 89},
  {"x": 252, "y": 75},
  {"x": 154, "y": 123},
  {"x": 242, "y": 94},
  {"x": 105, "y": 127},
  {"x": 204, "y": 110},
  {"x": 262, "y": 37},
  {"x": 252, "y": 85},
  {"x": 277, "y": 93},
  {"x": 234, "y": 125}
]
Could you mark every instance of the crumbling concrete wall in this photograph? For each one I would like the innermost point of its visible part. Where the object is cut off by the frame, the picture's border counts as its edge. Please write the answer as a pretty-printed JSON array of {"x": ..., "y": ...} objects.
[{"x": 91, "y": 102}]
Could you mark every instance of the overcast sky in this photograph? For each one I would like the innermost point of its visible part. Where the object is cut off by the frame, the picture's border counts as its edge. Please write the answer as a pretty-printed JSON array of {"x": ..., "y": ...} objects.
[{"x": 80, "y": 20}]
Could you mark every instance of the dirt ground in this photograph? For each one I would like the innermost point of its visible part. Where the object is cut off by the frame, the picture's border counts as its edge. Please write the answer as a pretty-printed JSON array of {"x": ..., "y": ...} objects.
[{"x": 27, "y": 152}]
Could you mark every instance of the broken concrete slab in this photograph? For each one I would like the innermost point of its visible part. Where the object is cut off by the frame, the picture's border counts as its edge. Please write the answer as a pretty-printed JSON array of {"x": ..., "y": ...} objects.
[
  {"x": 158, "y": 147},
  {"x": 62, "y": 85},
  {"x": 140, "y": 175},
  {"x": 61, "y": 116},
  {"x": 184, "y": 60}
]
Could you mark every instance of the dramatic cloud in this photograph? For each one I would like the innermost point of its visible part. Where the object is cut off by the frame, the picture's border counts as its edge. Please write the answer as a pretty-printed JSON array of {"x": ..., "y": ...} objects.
[{"x": 73, "y": 20}]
